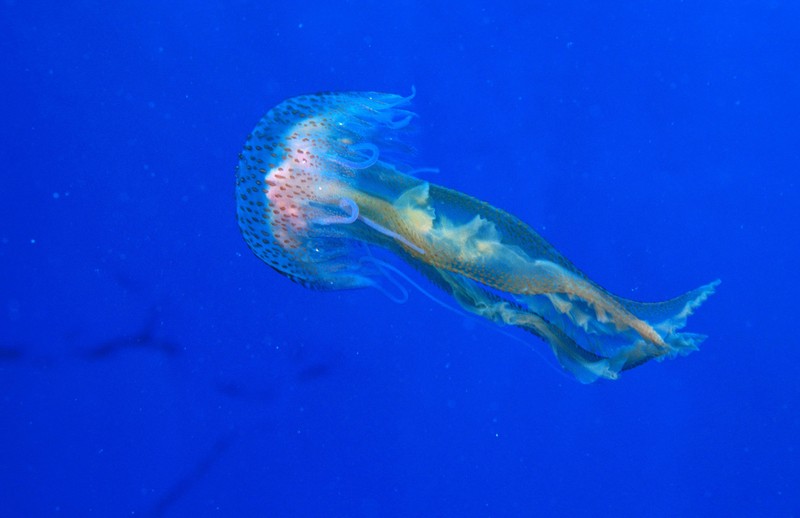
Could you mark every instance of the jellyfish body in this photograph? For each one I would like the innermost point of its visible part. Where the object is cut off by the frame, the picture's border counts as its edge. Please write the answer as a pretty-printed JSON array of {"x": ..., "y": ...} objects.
[{"x": 323, "y": 175}]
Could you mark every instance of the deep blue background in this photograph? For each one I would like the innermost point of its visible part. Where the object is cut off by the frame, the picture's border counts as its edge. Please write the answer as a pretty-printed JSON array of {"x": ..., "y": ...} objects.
[{"x": 654, "y": 143}]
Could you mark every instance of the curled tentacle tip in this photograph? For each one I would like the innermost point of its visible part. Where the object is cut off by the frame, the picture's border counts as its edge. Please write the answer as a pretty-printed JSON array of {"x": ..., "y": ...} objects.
[
  {"x": 400, "y": 123},
  {"x": 349, "y": 206},
  {"x": 367, "y": 150}
]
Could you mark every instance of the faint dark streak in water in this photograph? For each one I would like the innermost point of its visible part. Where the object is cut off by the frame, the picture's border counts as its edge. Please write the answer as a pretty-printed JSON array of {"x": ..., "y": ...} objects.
[
  {"x": 195, "y": 475},
  {"x": 143, "y": 339},
  {"x": 12, "y": 353},
  {"x": 127, "y": 282},
  {"x": 23, "y": 355},
  {"x": 241, "y": 392},
  {"x": 313, "y": 372},
  {"x": 300, "y": 370}
]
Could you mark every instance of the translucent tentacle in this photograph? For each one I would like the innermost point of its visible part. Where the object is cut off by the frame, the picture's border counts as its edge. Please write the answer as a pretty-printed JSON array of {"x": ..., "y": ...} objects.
[
  {"x": 394, "y": 235},
  {"x": 369, "y": 161},
  {"x": 423, "y": 170},
  {"x": 350, "y": 205},
  {"x": 346, "y": 204},
  {"x": 383, "y": 265}
]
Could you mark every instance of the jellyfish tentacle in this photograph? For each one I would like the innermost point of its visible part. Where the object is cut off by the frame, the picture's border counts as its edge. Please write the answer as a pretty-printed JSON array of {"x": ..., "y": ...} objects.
[
  {"x": 381, "y": 266},
  {"x": 348, "y": 204},
  {"x": 396, "y": 123},
  {"x": 345, "y": 204},
  {"x": 423, "y": 170},
  {"x": 373, "y": 153},
  {"x": 392, "y": 100},
  {"x": 391, "y": 233}
]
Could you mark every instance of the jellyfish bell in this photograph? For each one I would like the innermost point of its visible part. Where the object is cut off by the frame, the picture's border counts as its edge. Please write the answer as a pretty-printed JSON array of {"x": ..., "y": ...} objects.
[{"x": 299, "y": 183}]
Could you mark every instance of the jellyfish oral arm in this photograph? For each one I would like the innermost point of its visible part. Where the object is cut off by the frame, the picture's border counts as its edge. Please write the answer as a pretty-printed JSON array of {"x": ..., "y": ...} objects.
[{"x": 484, "y": 249}]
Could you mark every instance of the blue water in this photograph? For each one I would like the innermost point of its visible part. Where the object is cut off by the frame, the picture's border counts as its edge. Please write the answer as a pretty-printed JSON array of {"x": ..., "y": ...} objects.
[{"x": 150, "y": 364}]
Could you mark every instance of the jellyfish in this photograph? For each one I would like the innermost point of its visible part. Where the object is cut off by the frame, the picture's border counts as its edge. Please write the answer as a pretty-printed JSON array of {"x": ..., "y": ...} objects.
[{"x": 325, "y": 178}]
